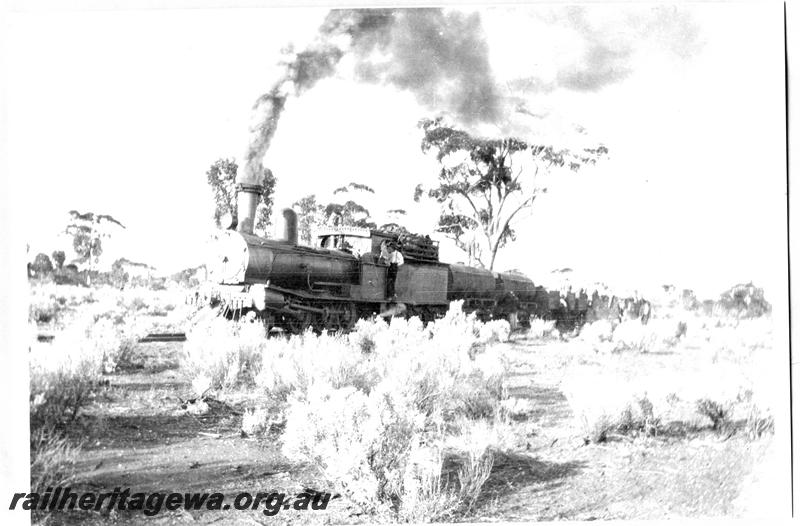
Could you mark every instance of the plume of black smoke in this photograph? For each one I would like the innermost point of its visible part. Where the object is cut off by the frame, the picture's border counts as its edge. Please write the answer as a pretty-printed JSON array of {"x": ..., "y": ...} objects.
[
  {"x": 443, "y": 59},
  {"x": 301, "y": 72},
  {"x": 440, "y": 57},
  {"x": 269, "y": 107}
]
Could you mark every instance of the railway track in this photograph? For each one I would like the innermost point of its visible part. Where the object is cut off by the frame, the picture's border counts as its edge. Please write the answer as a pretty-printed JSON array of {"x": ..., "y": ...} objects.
[{"x": 155, "y": 337}]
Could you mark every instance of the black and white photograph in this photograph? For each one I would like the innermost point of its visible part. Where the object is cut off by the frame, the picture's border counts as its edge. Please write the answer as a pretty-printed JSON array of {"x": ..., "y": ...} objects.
[{"x": 371, "y": 264}]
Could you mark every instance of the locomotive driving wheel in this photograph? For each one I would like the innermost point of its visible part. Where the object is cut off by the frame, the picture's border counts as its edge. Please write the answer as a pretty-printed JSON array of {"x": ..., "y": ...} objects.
[
  {"x": 268, "y": 320},
  {"x": 414, "y": 310},
  {"x": 320, "y": 321},
  {"x": 330, "y": 319},
  {"x": 298, "y": 324},
  {"x": 340, "y": 317},
  {"x": 349, "y": 316}
]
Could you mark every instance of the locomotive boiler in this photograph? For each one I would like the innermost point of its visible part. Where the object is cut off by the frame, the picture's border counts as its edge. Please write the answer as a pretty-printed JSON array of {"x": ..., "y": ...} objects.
[{"x": 343, "y": 278}]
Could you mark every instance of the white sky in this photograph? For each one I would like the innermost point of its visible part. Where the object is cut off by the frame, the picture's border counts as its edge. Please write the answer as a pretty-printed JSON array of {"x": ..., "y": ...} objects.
[{"x": 122, "y": 112}]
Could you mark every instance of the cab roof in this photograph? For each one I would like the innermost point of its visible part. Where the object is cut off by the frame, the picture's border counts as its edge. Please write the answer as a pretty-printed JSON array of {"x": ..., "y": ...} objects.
[
  {"x": 344, "y": 231},
  {"x": 354, "y": 231}
]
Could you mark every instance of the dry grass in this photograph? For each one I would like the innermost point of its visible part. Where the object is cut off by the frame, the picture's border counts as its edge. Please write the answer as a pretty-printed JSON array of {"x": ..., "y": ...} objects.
[
  {"x": 53, "y": 459},
  {"x": 374, "y": 409},
  {"x": 416, "y": 423},
  {"x": 57, "y": 306},
  {"x": 63, "y": 376},
  {"x": 221, "y": 355},
  {"x": 366, "y": 406},
  {"x": 95, "y": 331},
  {"x": 541, "y": 329},
  {"x": 703, "y": 371}
]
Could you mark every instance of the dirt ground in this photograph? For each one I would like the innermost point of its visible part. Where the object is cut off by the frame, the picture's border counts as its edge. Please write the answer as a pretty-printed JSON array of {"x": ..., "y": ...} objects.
[{"x": 140, "y": 433}]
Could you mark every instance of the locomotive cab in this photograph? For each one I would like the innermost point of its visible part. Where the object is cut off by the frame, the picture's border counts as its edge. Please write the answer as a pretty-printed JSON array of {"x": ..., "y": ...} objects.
[
  {"x": 422, "y": 280},
  {"x": 363, "y": 243}
]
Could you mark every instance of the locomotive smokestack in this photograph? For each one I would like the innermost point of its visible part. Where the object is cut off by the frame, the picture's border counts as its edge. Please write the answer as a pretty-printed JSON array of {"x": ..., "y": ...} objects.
[
  {"x": 247, "y": 199},
  {"x": 290, "y": 226}
]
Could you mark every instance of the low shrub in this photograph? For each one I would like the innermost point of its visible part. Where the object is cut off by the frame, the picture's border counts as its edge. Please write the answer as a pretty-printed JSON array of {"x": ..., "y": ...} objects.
[
  {"x": 607, "y": 399},
  {"x": 63, "y": 376},
  {"x": 743, "y": 301},
  {"x": 759, "y": 423},
  {"x": 718, "y": 413},
  {"x": 636, "y": 418},
  {"x": 541, "y": 329},
  {"x": 44, "y": 311},
  {"x": 475, "y": 443},
  {"x": 632, "y": 335},
  {"x": 380, "y": 409},
  {"x": 639, "y": 417},
  {"x": 384, "y": 454},
  {"x": 339, "y": 430},
  {"x": 225, "y": 355},
  {"x": 53, "y": 459},
  {"x": 494, "y": 331},
  {"x": 255, "y": 421},
  {"x": 605, "y": 403},
  {"x": 635, "y": 336},
  {"x": 96, "y": 330},
  {"x": 50, "y": 303},
  {"x": 428, "y": 494},
  {"x": 597, "y": 331},
  {"x": 366, "y": 332},
  {"x": 744, "y": 412},
  {"x": 65, "y": 373}
]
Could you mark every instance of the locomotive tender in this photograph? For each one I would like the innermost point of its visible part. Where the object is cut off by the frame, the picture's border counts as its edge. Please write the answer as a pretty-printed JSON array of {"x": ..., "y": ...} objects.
[{"x": 331, "y": 286}]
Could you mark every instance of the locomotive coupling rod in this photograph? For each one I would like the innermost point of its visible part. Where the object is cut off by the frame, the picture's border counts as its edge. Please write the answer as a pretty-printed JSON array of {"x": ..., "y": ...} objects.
[{"x": 304, "y": 308}]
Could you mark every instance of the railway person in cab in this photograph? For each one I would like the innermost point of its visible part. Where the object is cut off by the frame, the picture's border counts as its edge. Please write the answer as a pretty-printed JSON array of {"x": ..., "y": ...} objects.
[
  {"x": 384, "y": 257},
  {"x": 395, "y": 259}
]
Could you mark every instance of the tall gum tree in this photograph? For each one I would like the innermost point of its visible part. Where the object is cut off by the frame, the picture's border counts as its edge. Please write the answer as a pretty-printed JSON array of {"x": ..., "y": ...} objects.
[
  {"x": 309, "y": 218},
  {"x": 345, "y": 209},
  {"x": 350, "y": 212},
  {"x": 88, "y": 230},
  {"x": 221, "y": 177},
  {"x": 485, "y": 183}
]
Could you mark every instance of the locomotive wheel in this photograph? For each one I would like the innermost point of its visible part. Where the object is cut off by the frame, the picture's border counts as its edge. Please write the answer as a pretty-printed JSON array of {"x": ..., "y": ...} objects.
[
  {"x": 420, "y": 312},
  {"x": 337, "y": 317},
  {"x": 299, "y": 324},
  {"x": 320, "y": 322},
  {"x": 331, "y": 318},
  {"x": 350, "y": 317},
  {"x": 427, "y": 313},
  {"x": 438, "y": 312},
  {"x": 269, "y": 321}
]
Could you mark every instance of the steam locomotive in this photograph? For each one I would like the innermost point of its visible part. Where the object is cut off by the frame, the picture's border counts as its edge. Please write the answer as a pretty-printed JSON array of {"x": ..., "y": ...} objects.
[{"x": 329, "y": 287}]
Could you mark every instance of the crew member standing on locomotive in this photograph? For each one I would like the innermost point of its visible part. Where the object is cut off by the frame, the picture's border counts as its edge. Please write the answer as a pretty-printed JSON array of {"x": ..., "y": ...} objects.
[
  {"x": 394, "y": 259},
  {"x": 384, "y": 257}
]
